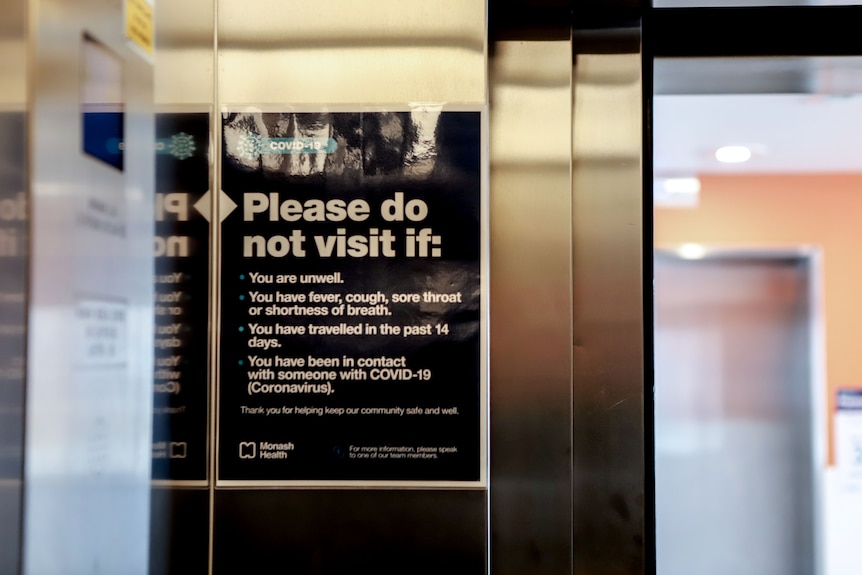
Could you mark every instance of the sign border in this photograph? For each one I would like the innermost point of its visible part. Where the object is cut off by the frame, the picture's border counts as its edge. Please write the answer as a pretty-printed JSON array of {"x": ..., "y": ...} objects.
[{"x": 484, "y": 281}]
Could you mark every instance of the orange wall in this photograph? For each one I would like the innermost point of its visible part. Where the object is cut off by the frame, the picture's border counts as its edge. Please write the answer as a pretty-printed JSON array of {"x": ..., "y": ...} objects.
[{"x": 822, "y": 211}]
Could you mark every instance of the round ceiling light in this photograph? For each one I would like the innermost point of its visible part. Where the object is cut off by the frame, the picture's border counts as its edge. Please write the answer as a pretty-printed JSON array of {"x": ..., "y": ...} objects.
[
  {"x": 733, "y": 154},
  {"x": 691, "y": 251}
]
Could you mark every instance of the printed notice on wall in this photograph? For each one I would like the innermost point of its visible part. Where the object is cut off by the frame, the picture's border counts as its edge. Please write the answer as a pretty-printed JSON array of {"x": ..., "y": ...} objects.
[
  {"x": 181, "y": 303},
  {"x": 13, "y": 299},
  {"x": 351, "y": 302},
  {"x": 848, "y": 438}
]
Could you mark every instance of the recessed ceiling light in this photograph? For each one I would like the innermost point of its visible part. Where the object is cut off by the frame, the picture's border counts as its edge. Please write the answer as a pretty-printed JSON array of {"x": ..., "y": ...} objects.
[
  {"x": 733, "y": 154},
  {"x": 682, "y": 185},
  {"x": 676, "y": 192},
  {"x": 691, "y": 251}
]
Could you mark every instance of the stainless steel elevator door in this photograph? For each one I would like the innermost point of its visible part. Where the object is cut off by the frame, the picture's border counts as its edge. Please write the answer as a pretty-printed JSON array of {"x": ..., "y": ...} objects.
[{"x": 733, "y": 434}]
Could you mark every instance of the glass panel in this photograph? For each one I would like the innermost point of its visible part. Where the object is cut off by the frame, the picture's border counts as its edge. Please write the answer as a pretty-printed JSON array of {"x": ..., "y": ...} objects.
[{"x": 757, "y": 174}]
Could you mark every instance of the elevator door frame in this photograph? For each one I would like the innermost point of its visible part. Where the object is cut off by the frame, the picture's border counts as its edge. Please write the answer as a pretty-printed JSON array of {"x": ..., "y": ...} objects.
[{"x": 811, "y": 258}]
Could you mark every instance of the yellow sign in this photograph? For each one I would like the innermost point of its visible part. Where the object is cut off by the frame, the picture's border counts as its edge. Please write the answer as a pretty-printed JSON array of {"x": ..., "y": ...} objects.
[{"x": 139, "y": 24}]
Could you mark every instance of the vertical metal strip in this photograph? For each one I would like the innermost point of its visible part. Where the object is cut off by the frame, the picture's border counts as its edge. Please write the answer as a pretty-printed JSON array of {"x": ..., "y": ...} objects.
[
  {"x": 608, "y": 320},
  {"x": 30, "y": 27},
  {"x": 91, "y": 257},
  {"x": 215, "y": 275},
  {"x": 531, "y": 308},
  {"x": 647, "y": 75}
]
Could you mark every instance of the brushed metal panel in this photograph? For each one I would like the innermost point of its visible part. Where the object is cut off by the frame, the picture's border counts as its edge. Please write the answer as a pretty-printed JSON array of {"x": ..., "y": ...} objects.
[
  {"x": 183, "y": 72},
  {"x": 345, "y": 52},
  {"x": 345, "y": 531},
  {"x": 350, "y": 54},
  {"x": 89, "y": 356},
  {"x": 608, "y": 384},
  {"x": 531, "y": 308},
  {"x": 13, "y": 54}
]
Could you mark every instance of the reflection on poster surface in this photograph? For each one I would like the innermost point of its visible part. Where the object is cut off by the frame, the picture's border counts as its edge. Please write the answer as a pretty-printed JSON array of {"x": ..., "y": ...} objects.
[{"x": 351, "y": 298}]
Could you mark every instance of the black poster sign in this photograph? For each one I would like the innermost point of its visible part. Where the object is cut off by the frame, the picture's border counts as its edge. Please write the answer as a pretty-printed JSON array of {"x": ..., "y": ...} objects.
[
  {"x": 180, "y": 409},
  {"x": 13, "y": 299},
  {"x": 351, "y": 299}
]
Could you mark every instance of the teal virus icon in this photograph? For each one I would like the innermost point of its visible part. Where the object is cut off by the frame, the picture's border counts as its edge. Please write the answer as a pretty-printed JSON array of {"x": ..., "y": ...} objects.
[
  {"x": 182, "y": 146},
  {"x": 250, "y": 146}
]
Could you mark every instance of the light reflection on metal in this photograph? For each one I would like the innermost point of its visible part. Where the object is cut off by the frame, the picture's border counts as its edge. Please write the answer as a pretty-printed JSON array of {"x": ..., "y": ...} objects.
[
  {"x": 89, "y": 342},
  {"x": 609, "y": 475},
  {"x": 347, "y": 52},
  {"x": 184, "y": 53},
  {"x": 531, "y": 340}
]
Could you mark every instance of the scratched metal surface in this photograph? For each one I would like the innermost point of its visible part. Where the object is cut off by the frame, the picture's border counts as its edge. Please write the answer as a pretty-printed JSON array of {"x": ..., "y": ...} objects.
[{"x": 609, "y": 510}]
